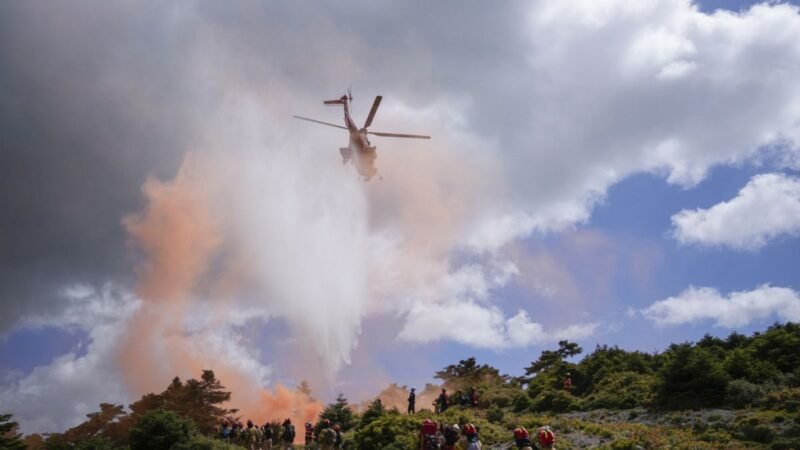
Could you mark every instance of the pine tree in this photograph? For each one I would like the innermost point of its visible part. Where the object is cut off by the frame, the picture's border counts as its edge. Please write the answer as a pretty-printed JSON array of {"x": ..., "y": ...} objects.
[
  {"x": 9, "y": 436},
  {"x": 338, "y": 412},
  {"x": 373, "y": 412}
]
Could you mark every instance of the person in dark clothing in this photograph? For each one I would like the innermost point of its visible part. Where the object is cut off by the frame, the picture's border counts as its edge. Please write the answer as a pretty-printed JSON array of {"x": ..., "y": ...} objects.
[
  {"x": 287, "y": 437},
  {"x": 451, "y": 436},
  {"x": 412, "y": 400},
  {"x": 442, "y": 401},
  {"x": 266, "y": 440}
]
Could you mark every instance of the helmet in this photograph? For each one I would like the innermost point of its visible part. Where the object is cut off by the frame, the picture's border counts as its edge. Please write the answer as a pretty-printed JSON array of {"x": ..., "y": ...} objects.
[
  {"x": 470, "y": 430},
  {"x": 455, "y": 427}
]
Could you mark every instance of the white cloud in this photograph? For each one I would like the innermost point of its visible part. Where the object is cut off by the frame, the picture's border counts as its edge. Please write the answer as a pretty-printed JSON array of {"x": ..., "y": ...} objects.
[
  {"x": 522, "y": 332},
  {"x": 620, "y": 87},
  {"x": 75, "y": 383},
  {"x": 766, "y": 208},
  {"x": 462, "y": 310},
  {"x": 734, "y": 310}
]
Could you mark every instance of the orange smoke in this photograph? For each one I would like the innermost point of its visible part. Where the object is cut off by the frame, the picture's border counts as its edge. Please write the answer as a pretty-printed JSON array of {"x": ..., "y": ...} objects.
[{"x": 179, "y": 234}]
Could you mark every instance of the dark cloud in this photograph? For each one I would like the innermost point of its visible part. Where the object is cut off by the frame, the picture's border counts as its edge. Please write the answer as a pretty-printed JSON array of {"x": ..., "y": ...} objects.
[
  {"x": 77, "y": 138},
  {"x": 95, "y": 97}
]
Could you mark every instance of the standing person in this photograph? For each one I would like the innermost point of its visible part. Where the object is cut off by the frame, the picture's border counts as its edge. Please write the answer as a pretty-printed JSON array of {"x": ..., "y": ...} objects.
[
  {"x": 227, "y": 429},
  {"x": 287, "y": 436},
  {"x": 309, "y": 434},
  {"x": 250, "y": 436},
  {"x": 522, "y": 439},
  {"x": 266, "y": 436},
  {"x": 472, "y": 440},
  {"x": 326, "y": 438},
  {"x": 473, "y": 397},
  {"x": 568, "y": 383},
  {"x": 442, "y": 401},
  {"x": 547, "y": 439},
  {"x": 339, "y": 437},
  {"x": 412, "y": 401}
]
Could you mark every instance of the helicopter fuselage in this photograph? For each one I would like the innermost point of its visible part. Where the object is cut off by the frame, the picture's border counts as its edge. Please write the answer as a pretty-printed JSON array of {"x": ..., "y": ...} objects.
[{"x": 360, "y": 152}]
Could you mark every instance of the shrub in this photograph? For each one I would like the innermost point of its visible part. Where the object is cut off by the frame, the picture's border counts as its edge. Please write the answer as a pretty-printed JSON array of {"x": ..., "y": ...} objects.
[
  {"x": 786, "y": 444},
  {"x": 787, "y": 399},
  {"x": 199, "y": 442},
  {"x": 691, "y": 378},
  {"x": 742, "y": 393},
  {"x": 553, "y": 400},
  {"x": 756, "y": 433},
  {"x": 624, "y": 444},
  {"x": 495, "y": 415},
  {"x": 160, "y": 430},
  {"x": 622, "y": 390},
  {"x": 521, "y": 403}
]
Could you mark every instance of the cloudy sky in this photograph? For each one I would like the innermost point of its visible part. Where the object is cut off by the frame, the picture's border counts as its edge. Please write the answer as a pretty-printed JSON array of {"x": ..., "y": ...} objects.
[{"x": 617, "y": 172}]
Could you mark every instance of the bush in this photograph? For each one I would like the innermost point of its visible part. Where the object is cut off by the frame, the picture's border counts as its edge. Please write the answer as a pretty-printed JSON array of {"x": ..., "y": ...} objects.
[
  {"x": 756, "y": 433},
  {"x": 553, "y": 400},
  {"x": 622, "y": 390},
  {"x": 741, "y": 393},
  {"x": 199, "y": 442},
  {"x": 787, "y": 399},
  {"x": 495, "y": 415},
  {"x": 160, "y": 430},
  {"x": 786, "y": 444},
  {"x": 691, "y": 378},
  {"x": 521, "y": 403}
]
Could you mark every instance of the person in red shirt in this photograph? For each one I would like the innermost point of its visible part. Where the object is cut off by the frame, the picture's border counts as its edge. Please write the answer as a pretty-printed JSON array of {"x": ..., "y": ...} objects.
[{"x": 568, "y": 383}]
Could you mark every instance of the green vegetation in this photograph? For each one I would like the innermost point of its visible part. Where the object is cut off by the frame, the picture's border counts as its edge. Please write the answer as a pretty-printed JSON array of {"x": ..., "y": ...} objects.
[
  {"x": 9, "y": 437},
  {"x": 160, "y": 430},
  {"x": 618, "y": 400}
]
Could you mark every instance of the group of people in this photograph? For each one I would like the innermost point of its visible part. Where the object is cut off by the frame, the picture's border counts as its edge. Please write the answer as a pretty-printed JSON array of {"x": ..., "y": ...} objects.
[
  {"x": 327, "y": 438},
  {"x": 545, "y": 436},
  {"x": 251, "y": 436},
  {"x": 269, "y": 436},
  {"x": 460, "y": 398},
  {"x": 440, "y": 436}
]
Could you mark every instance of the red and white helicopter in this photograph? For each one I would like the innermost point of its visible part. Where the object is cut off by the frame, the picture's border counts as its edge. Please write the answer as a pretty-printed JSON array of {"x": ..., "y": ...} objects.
[{"x": 360, "y": 152}]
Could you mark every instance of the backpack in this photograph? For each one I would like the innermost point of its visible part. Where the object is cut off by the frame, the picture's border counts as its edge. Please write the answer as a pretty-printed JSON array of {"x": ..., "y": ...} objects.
[
  {"x": 450, "y": 436},
  {"x": 327, "y": 437},
  {"x": 431, "y": 442},
  {"x": 268, "y": 432}
]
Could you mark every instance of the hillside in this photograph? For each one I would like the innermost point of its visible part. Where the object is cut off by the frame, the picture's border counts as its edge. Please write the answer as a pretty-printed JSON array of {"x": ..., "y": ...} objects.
[{"x": 737, "y": 392}]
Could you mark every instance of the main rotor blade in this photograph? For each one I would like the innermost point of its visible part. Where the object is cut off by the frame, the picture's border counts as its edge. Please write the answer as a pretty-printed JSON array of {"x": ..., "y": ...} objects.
[
  {"x": 412, "y": 136},
  {"x": 372, "y": 111},
  {"x": 319, "y": 121}
]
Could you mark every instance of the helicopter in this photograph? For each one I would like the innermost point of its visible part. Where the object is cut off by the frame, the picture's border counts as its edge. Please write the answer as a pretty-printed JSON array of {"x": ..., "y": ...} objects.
[{"x": 360, "y": 152}]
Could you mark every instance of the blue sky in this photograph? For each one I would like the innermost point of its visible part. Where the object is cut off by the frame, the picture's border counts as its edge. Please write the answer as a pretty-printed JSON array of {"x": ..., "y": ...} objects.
[{"x": 591, "y": 163}]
